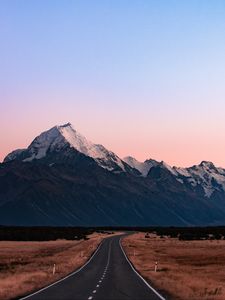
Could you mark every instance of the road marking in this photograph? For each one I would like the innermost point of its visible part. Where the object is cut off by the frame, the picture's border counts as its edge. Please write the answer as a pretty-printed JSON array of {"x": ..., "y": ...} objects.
[
  {"x": 103, "y": 275},
  {"x": 60, "y": 280},
  {"x": 132, "y": 267}
]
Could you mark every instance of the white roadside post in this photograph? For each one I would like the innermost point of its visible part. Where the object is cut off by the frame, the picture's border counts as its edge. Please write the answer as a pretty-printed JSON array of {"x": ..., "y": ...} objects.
[
  {"x": 156, "y": 266},
  {"x": 53, "y": 270}
]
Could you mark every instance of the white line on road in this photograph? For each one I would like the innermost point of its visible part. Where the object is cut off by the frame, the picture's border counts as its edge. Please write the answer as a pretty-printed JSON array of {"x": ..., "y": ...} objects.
[
  {"x": 148, "y": 285},
  {"x": 97, "y": 286},
  {"x": 60, "y": 280}
]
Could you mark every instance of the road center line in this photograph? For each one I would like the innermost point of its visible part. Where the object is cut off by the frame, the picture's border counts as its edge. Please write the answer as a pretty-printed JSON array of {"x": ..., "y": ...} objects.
[
  {"x": 105, "y": 270},
  {"x": 67, "y": 276}
]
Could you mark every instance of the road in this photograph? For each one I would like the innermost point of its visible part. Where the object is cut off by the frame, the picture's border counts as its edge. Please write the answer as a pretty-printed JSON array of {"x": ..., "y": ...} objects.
[{"x": 108, "y": 275}]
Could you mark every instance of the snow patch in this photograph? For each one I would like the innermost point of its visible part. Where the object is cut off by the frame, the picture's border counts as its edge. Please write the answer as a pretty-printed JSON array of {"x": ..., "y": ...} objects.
[
  {"x": 142, "y": 167},
  {"x": 57, "y": 137}
]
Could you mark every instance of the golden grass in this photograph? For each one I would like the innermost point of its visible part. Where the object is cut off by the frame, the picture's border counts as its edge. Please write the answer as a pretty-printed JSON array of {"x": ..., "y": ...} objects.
[
  {"x": 187, "y": 270},
  {"x": 28, "y": 266}
]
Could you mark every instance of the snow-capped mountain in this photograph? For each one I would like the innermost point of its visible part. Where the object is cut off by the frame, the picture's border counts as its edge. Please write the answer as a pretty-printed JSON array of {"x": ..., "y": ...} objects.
[
  {"x": 64, "y": 179},
  {"x": 204, "y": 175},
  {"x": 57, "y": 138},
  {"x": 142, "y": 167}
]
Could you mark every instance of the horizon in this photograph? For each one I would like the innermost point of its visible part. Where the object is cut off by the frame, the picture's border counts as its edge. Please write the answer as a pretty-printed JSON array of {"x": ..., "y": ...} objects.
[
  {"x": 149, "y": 158},
  {"x": 145, "y": 80}
]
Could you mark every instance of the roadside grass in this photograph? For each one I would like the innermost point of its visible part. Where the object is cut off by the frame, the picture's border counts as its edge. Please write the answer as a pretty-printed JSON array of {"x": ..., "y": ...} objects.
[
  {"x": 186, "y": 270},
  {"x": 28, "y": 266}
]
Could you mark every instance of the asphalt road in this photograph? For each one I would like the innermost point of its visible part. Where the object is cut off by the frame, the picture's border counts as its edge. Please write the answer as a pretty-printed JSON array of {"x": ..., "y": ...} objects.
[{"x": 108, "y": 275}]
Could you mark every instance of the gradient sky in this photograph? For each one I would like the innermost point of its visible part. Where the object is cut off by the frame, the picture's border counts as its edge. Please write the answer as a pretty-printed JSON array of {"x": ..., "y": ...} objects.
[{"x": 143, "y": 78}]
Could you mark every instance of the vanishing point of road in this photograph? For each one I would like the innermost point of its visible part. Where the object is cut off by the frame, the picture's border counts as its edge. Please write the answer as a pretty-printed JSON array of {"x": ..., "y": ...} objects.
[{"x": 108, "y": 275}]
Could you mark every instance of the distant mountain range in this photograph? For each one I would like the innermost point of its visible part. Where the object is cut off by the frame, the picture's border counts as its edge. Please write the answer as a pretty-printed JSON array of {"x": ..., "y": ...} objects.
[{"x": 63, "y": 179}]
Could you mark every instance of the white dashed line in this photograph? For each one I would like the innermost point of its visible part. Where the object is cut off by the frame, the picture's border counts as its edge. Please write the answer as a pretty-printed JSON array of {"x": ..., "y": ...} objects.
[
  {"x": 64, "y": 278},
  {"x": 104, "y": 273}
]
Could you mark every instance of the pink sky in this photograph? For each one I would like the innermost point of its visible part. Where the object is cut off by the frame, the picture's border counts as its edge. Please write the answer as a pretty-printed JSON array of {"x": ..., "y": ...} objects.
[
  {"x": 183, "y": 140},
  {"x": 146, "y": 80}
]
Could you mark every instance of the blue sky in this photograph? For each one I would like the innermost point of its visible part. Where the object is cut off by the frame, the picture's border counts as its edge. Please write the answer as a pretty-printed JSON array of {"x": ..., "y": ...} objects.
[{"x": 151, "y": 73}]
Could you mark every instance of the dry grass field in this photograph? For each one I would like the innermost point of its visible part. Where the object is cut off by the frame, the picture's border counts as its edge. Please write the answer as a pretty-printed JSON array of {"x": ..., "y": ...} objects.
[
  {"x": 187, "y": 270},
  {"x": 27, "y": 266}
]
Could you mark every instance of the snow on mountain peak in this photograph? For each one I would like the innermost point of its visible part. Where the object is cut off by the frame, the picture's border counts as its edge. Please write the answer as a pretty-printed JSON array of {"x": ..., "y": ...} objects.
[
  {"x": 168, "y": 167},
  {"x": 65, "y": 125},
  {"x": 133, "y": 163},
  {"x": 57, "y": 137},
  {"x": 207, "y": 164},
  {"x": 12, "y": 155},
  {"x": 96, "y": 151},
  {"x": 206, "y": 175},
  {"x": 142, "y": 167}
]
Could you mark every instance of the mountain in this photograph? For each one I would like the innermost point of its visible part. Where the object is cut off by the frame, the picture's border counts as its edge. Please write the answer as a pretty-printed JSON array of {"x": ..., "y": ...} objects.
[
  {"x": 142, "y": 167},
  {"x": 204, "y": 176},
  {"x": 64, "y": 179},
  {"x": 59, "y": 138}
]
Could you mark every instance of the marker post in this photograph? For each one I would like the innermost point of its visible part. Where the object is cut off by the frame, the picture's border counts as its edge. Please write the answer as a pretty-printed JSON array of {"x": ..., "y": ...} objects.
[
  {"x": 53, "y": 270},
  {"x": 156, "y": 266}
]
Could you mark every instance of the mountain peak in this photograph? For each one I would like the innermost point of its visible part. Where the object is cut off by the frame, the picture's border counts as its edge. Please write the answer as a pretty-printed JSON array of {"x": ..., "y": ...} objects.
[
  {"x": 207, "y": 164},
  {"x": 142, "y": 167},
  {"x": 60, "y": 136},
  {"x": 130, "y": 159},
  {"x": 65, "y": 125}
]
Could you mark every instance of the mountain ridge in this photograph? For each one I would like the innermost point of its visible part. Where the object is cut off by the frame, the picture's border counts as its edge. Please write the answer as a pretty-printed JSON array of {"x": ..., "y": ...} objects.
[
  {"x": 64, "y": 179},
  {"x": 57, "y": 137}
]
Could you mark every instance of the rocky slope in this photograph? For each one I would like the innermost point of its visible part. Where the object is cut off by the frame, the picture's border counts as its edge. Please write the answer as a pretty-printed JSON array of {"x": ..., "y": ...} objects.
[{"x": 64, "y": 179}]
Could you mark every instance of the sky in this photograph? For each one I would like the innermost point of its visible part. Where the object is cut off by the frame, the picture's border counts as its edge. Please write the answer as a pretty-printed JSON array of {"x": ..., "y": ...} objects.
[{"x": 144, "y": 78}]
